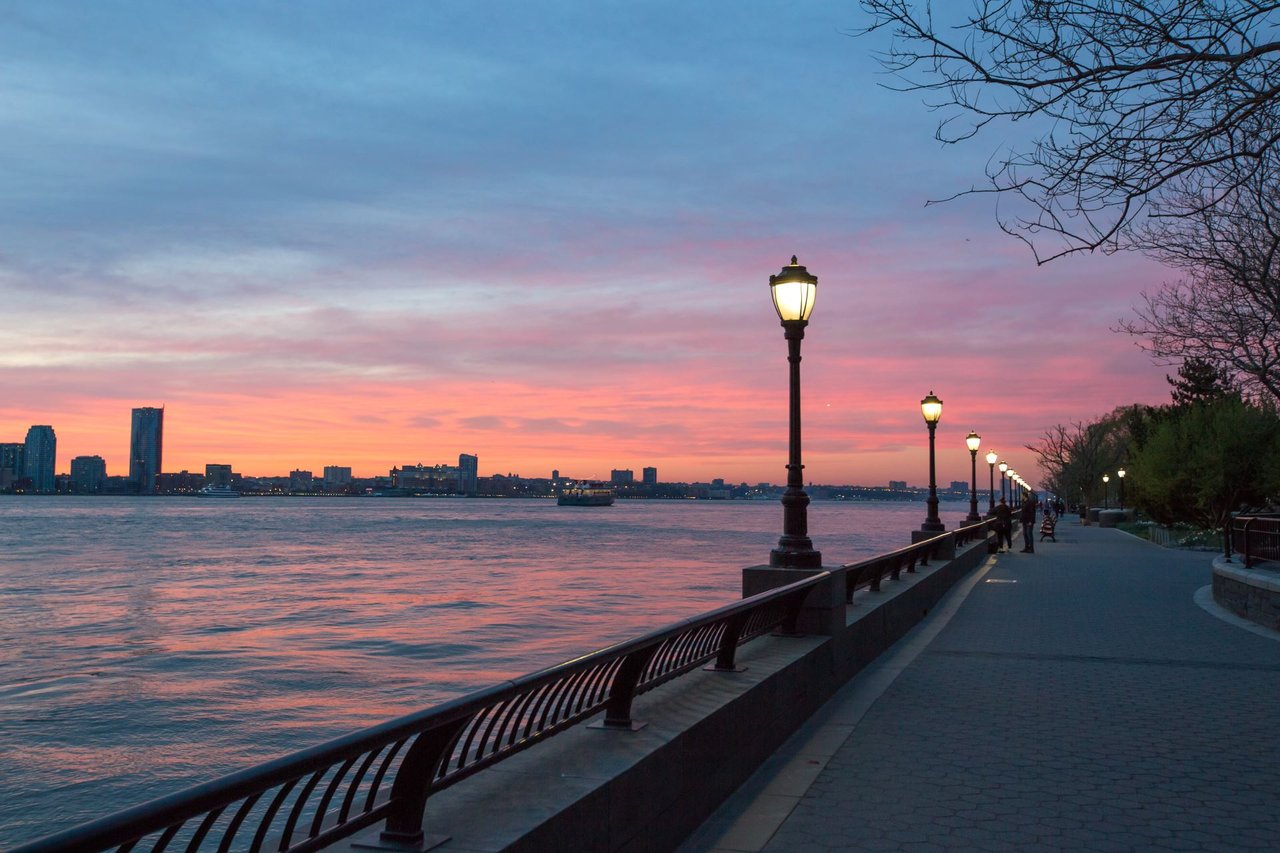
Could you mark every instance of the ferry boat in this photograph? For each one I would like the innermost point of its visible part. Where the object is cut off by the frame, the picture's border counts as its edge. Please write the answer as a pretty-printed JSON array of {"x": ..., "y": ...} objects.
[
  {"x": 586, "y": 494},
  {"x": 217, "y": 492}
]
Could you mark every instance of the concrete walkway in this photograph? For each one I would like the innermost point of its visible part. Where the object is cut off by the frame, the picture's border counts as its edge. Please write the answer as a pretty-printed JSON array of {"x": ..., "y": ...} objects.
[{"x": 1078, "y": 698}]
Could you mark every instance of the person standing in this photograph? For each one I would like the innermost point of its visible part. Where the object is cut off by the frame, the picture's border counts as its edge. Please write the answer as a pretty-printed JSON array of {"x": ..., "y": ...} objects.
[
  {"x": 1028, "y": 519},
  {"x": 1004, "y": 526}
]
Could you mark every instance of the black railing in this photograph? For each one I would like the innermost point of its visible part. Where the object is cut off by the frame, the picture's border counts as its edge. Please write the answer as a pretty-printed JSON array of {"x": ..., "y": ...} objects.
[
  {"x": 872, "y": 571},
  {"x": 314, "y": 798},
  {"x": 1256, "y": 537}
]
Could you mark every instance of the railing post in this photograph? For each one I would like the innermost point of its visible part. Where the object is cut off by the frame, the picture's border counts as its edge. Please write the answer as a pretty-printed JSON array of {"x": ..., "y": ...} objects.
[
  {"x": 729, "y": 645},
  {"x": 413, "y": 785},
  {"x": 617, "y": 713},
  {"x": 1248, "y": 555}
]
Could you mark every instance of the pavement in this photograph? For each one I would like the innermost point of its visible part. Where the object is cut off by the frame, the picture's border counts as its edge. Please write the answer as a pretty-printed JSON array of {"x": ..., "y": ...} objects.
[{"x": 1089, "y": 696}]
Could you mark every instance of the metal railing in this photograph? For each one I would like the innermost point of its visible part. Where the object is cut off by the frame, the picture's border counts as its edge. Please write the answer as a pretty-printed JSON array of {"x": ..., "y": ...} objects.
[
  {"x": 872, "y": 571},
  {"x": 313, "y": 798},
  {"x": 316, "y": 797},
  {"x": 1255, "y": 537}
]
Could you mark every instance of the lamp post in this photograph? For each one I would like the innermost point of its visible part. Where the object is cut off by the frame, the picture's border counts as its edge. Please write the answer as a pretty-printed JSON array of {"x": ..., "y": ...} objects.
[
  {"x": 991, "y": 481},
  {"x": 1004, "y": 468},
  {"x": 793, "y": 292},
  {"x": 1120, "y": 474},
  {"x": 973, "y": 441},
  {"x": 1106, "y": 490},
  {"x": 1013, "y": 488},
  {"x": 931, "y": 408}
]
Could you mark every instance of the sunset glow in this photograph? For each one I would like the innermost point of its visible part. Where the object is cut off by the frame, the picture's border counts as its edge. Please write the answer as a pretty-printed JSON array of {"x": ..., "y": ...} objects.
[{"x": 542, "y": 236}]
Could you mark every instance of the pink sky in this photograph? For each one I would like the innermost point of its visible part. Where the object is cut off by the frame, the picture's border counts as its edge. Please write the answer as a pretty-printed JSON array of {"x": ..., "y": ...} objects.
[{"x": 544, "y": 238}]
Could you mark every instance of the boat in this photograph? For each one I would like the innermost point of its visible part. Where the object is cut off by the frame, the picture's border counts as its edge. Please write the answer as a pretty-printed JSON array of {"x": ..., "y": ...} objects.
[
  {"x": 217, "y": 492},
  {"x": 586, "y": 494}
]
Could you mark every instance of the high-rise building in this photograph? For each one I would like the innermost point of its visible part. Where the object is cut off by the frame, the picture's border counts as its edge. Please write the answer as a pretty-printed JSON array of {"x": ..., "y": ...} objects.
[
  {"x": 301, "y": 481},
  {"x": 39, "y": 455},
  {"x": 11, "y": 463},
  {"x": 468, "y": 473},
  {"x": 146, "y": 444},
  {"x": 897, "y": 485},
  {"x": 88, "y": 473},
  {"x": 650, "y": 476},
  {"x": 337, "y": 475},
  {"x": 622, "y": 476},
  {"x": 216, "y": 474}
]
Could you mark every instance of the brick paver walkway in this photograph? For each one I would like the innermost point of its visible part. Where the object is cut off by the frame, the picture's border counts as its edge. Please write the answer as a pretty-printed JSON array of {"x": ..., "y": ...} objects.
[{"x": 1078, "y": 699}]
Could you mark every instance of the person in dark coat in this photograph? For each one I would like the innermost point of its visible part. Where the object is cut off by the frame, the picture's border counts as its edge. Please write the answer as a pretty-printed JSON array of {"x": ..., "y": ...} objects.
[
  {"x": 1004, "y": 526},
  {"x": 1028, "y": 519}
]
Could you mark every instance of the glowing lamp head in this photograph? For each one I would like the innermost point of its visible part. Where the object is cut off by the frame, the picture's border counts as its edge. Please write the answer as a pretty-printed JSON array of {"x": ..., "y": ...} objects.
[
  {"x": 1004, "y": 466},
  {"x": 1106, "y": 478},
  {"x": 992, "y": 456},
  {"x": 931, "y": 408},
  {"x": 1120, "y": 473},
  {"x": 794, "y": 290},
  {"x": 973, "y": 441}
]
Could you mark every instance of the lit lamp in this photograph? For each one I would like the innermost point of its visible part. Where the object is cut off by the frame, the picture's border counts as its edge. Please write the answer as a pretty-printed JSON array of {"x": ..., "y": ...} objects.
[
  {"x": 1120, "y": 474},
  {"x": 793, "y": 292},
  {"x": 1004, "y": 468},
  {"x": 973, "y": 441},
  {"x": 1106, "y": 491},
  {"x": 931, "y": 408},
  {"x": 991, "y": 481}
]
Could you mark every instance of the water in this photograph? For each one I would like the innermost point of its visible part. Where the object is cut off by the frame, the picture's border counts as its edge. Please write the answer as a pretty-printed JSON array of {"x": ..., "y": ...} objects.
[{"x": 149, "y": 644}]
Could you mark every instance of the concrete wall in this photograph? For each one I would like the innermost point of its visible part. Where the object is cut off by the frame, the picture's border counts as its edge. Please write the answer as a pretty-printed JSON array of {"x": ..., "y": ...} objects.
[
  {"x": 706, "y": 733},
  {"x": 1250, "y": 593}
]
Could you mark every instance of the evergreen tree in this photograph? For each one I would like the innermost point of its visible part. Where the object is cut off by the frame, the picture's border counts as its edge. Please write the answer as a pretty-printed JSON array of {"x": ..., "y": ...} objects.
[{"x": 1200, "y": 382}]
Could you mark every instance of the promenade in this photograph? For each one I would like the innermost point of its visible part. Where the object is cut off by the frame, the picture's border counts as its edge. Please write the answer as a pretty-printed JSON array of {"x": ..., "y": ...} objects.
[{"x": 1085, "y": 697}]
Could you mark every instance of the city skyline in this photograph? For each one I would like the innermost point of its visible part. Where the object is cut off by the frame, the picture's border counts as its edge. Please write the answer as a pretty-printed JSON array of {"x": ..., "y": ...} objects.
[{"x": 541, "y": 234}]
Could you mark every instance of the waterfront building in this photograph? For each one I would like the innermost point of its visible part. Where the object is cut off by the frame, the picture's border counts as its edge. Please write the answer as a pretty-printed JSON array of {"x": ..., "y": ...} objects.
[
  {"x": 88, "y": 474},
  {"x": 650, "y": 476},
  {"x": 12, "y": 468},
  {"x": 337, "y": 475},
  {"x": 622, "y": 476},
  {"x": 146, "y": 445},
  {"x": 301, "y": 481},
  {"x": 897, "y": 485},
  {"x": 39, "y": 454},
  {"x": 218, "y": 475},
  {"x": 182, "y": 483},
  {"x": 958, "y": 486},
  {"x": 468, "y": 473}
]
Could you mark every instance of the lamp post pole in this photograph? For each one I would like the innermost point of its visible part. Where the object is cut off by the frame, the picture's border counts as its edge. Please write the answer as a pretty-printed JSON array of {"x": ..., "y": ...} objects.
[
  {"x": 973, "y": 441},
  {"x": 1004, "y": 468},
  {"x": 1120, "y": 474},
  {"x": 991, "y": 482},
  {"x": 931, "y": 408},
  {"x": 793, "y": 291},
  {"x": 1106, "y": 491}
]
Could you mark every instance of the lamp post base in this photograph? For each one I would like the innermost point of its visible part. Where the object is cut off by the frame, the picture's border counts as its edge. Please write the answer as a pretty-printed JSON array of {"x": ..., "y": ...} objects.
[{"x": 795, "y": 558}]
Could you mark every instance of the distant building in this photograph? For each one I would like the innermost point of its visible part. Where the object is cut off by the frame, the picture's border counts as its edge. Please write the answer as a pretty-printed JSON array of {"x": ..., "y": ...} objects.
[
  {"x": 146, "y": 446},
  {"x": 897, "y": 485},
  {"x": 218, "y": 475},
  {"x": 959, "y": 486},
  {"x": 337, "y": 475},
  {"x": 12, "y": 467},
  {"x": 468, "y": 473},
  {"x": 301, "y": 481},
  {"x": 555, "y": 473},
  {"x": 88, "y": 474},
  {"x": 650, "y": 476},
  {"x": 182, "y": 483},
  {"x": 622, "y": 476},
  {"x": 39, "y": 454}
]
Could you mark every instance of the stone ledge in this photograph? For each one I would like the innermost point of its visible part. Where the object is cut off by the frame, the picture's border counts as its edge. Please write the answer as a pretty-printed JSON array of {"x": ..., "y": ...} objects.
[{"x": 1253, "y": 594}]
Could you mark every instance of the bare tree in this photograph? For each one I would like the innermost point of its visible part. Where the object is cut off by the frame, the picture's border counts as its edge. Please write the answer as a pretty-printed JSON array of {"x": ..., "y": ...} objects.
[
  {"x": 1129, "y": 95},
  {"x": 1073, "y": 457},
  {"x": 1226, "y": 309}
]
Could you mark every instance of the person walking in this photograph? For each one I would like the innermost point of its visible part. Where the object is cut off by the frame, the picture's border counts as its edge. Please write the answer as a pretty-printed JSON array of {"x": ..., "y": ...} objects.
[
  {"x": 1028, "y": 519},
  {"x": 1004, "y": 526}
]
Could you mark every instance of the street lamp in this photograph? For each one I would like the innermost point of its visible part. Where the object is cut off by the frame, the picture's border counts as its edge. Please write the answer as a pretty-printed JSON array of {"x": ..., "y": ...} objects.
[
  {"x": 1120, "y": 474},
  {"x": 1106, "y": 478},
  {"x": 973, "y": 441},
  {"x": 931, "y": 408},
  {"x": 793, "y": 292},
  {"x": 991, "y": 481},
  {"x": 1004, "y": 468}
]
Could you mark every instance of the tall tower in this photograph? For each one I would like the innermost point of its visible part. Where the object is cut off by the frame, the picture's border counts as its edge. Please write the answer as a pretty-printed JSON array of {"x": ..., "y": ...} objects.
[
  {"x": 39, "y": 454},
  {"x": 146, "y": 441},
  {"x": 468, "y": 473}
]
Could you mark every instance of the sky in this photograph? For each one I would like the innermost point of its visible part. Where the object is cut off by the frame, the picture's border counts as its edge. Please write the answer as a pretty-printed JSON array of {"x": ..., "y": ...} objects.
[{"x": 384, "y": 233}]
